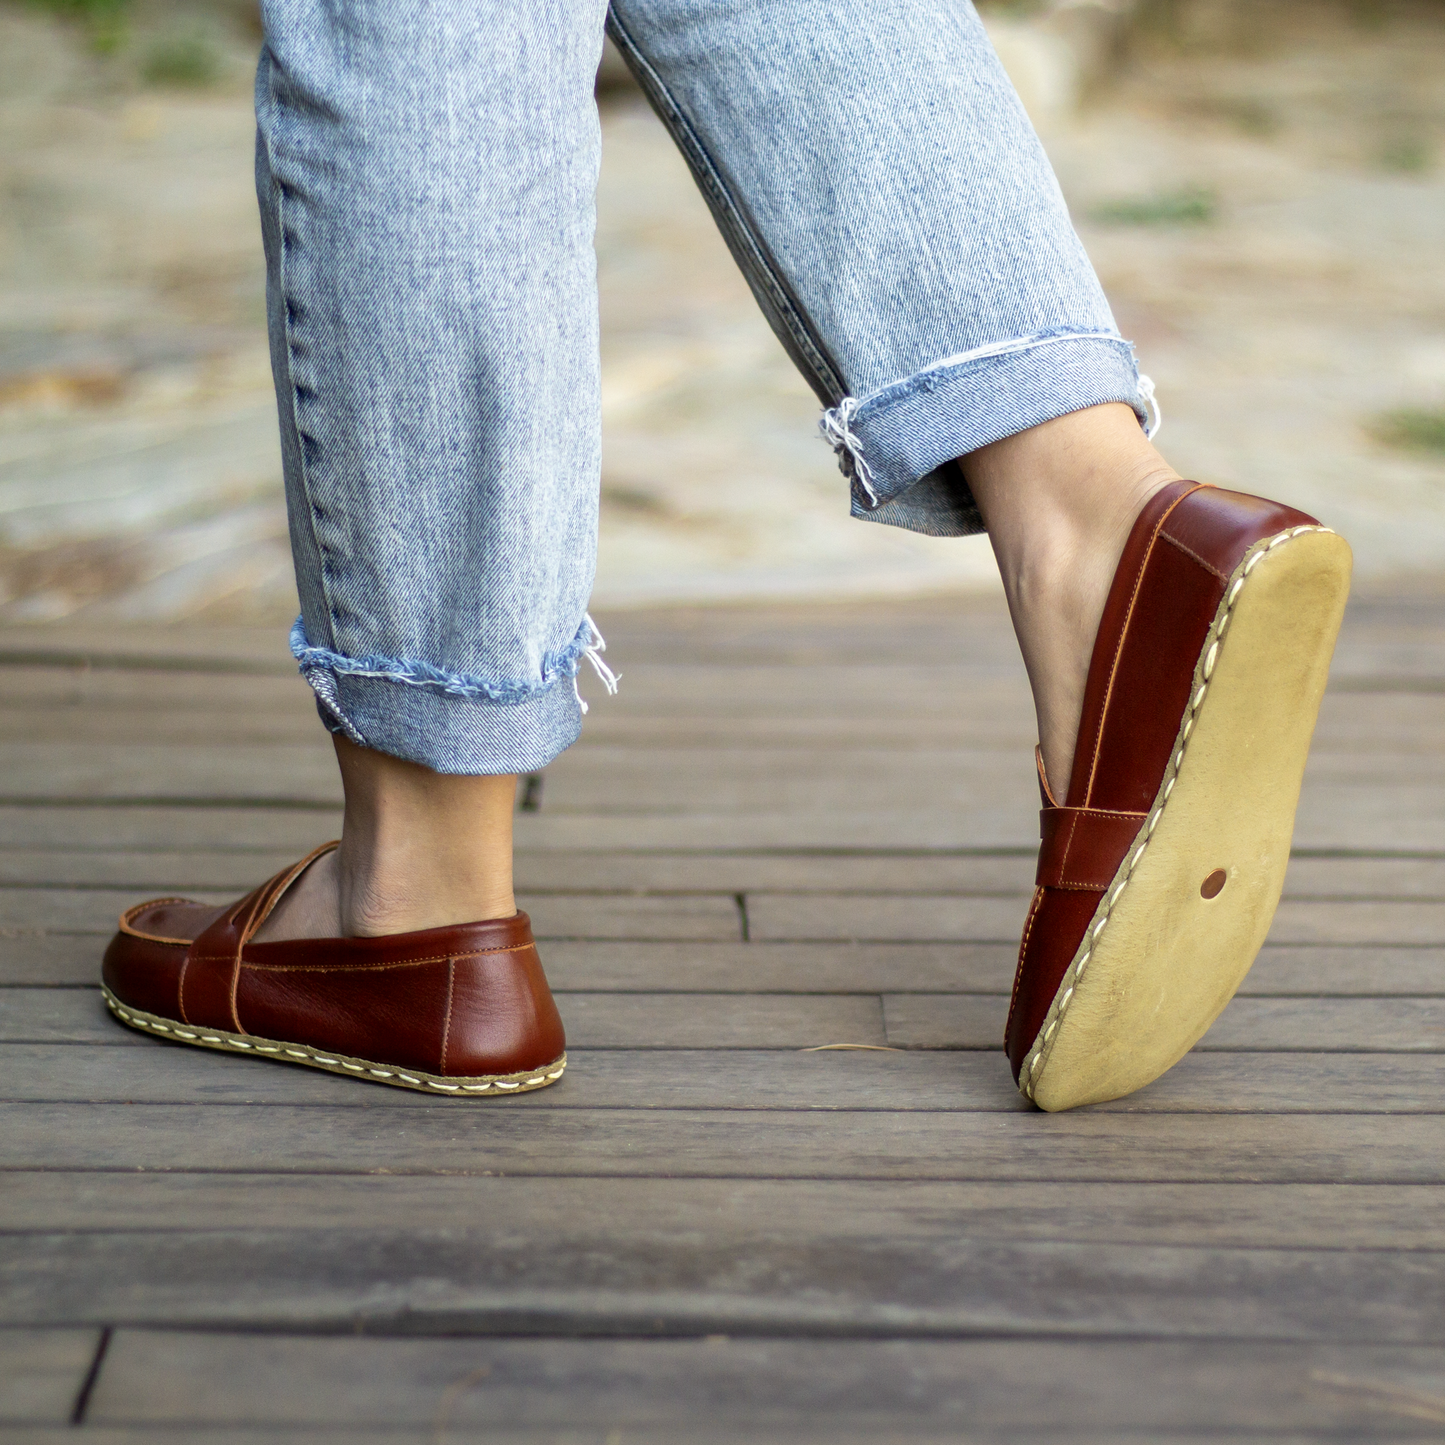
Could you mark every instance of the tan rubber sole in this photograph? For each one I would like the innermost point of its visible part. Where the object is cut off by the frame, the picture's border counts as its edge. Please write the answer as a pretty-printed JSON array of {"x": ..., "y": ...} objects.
[
  {"x": 479, "y": 1086},
  {"x": 1167, "y": 947}
]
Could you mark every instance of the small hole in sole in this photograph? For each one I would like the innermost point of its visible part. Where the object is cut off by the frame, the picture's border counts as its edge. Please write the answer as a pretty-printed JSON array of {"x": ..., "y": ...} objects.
[{"x": 1213, "y": 886}]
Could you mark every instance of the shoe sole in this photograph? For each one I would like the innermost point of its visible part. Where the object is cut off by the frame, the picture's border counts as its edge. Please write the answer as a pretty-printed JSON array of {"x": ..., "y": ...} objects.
[
  {"x": 1161, "y": 957},
  {"x": 476, "y": 1086}
]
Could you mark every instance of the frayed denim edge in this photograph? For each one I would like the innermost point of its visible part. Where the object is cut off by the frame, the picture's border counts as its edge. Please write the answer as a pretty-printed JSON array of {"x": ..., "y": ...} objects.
[
  {"x": 588, "y": 643},
  {"x": 837, "y": 423}
]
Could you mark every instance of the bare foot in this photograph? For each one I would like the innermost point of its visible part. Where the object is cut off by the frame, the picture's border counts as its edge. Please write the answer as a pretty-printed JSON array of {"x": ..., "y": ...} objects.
[
  {"x": 1059, "y": 501},
  {"x": 418, "y": 850}
]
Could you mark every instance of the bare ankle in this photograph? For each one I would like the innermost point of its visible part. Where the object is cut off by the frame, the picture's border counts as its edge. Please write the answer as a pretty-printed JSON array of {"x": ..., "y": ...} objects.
[
  {"x": 376, "y": 900},
  {"x": 1059, "y": 502},
  {"x": 420, "y": 849}
]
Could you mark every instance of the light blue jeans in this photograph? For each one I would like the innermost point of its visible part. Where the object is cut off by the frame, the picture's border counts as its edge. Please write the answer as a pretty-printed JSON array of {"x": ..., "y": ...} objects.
[{"x": 426, "y": 172}]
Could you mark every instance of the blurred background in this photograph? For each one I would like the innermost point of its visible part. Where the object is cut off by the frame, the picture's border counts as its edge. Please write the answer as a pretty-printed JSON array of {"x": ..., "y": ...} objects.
[{"x": 1261, "y": 185}]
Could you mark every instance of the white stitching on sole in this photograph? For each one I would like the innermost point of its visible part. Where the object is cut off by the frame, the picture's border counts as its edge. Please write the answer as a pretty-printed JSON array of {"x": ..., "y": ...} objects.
[
  {"x": 1034, "y": 1060},
  {"x": 332, "y": 1064}
]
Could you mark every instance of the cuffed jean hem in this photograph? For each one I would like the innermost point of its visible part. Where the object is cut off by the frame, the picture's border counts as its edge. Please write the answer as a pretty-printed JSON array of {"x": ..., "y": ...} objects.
[
  {"x": 894, "y": 444},
  {"x": 451, "y": 723}
]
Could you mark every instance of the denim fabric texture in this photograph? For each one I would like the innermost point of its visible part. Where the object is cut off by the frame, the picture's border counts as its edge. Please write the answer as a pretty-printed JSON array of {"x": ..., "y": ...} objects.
[{"x": 426, "y": 172}]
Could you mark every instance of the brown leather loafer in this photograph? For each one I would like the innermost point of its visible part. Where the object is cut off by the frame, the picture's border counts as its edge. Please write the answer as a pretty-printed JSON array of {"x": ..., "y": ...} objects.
[
  {"x": 1159, "y": 875},
  {"x": 462, "y": 1011}
]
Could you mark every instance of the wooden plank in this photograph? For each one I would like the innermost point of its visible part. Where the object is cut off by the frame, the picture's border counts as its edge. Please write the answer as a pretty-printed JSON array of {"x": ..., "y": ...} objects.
[
  {"x": 761, "y": 967},
  {"x": 915, "y": 1021},
  {"x": 1363, "y": 817},
  {"x": 41, "y": 1372},
  {"x": 142, "y": 707},
  {"x": 1397, "y": 635},
  {"x": 86, "y": 728},
  {"x": 885, "y": 918},
  {"x": 1326, "y": 822},
  {"x": 1409, "y": 723},
  {"x": 796, "y": 1211},
  {"x": 1327, "y": 920},
  {"x": 699, "y": 966},
  {"x": 943, "y": 1021},
  {"x": 575, "y": 871},
  {"x": 91, "y": 911},
  {"x": 1371, "y": 816},
  {"x": 166, "y": 871},
  {"x": 600, "y": 965},
  {"x": 140, "y": 690},
  {"x": 1349, "y": 1149},
  {"x": 291, "y": 830},
  {"x": 617, "y": 1020},
  {"x": 715, "y": 1078},
  {"x": 276, "y": 773},
  {"x": 1379, "y": 878},
  {"x": 1395, "y": 1024},
  {"x": 686, "y": 917},
  {"x": 697, "y": 1432},
  {"x": 894, "y": 918},
  {"x": 183, "y": 647},
  {"x": 49, "y": 960},
  {"x": 570, "y": 871},
  {"x": 1355, "y": 1390},
  {"x": 482, "y": 1280},
  {"x": 1326, "y": 970}
]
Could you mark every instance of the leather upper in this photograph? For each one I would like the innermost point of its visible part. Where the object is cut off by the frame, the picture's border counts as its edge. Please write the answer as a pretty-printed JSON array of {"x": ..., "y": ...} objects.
[
  {"x": 1181, "y": 552},
  {"x": 460, "y": 1001}
]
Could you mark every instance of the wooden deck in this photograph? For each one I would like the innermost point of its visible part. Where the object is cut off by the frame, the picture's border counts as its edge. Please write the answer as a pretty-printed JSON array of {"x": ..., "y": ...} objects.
[{"x": 793, "y": 828}]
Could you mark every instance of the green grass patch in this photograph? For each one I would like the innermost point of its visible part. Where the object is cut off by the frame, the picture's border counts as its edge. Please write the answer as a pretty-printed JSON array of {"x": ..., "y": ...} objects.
[
  {"x": 1407, "y": 154},
  {"x": 1191, "y": 206},
  {"x": 1414, "y": 429},
  {"x": 103, "y": 20},
  {"x": 189, "y": 60}
]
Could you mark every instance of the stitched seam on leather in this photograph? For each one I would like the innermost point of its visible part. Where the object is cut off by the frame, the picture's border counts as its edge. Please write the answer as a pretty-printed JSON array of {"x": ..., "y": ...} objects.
[
  {"x": 447, "y": 1017},
  {"x": 1062, "y": 867},
  {"x": 1019, "y": 971},
  {"x": 181, "y": 989},
  {"x": 1123, "y": 637},
  {"x": 1195, "y": 557},
  {"x": 373, "y": 967},
  {"x": 1068, "y": 843},
  {"x": 139, "y": 908},
  {"x": 235, "y": 986},
  {"x": 521, "y": 1079},
  {"x": 1092, "y": 881}
]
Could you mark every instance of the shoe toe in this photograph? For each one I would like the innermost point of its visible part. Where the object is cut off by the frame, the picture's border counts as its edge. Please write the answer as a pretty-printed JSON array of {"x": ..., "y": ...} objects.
[{"x": 143, "y": 963}]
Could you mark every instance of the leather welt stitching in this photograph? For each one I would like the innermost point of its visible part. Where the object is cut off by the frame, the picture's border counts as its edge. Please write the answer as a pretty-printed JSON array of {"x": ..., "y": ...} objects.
[
  {"x": 235, "y": 987},
  {"x": 1103, "y": 813},
  {"x": 366, "y": 967},
  {"x": 1123, "y": 636},
  {"x": 468, "y": 1084},
  {"x": 1062, "y": 867},
  {"x": 1195, "y": 557},
  {"x": 1068, "y": 842},
  {"x": 181, "y": 989},
  {"x": 447, "y": 1017},
  {"x": 1203, "y": 672},
  {"x": 1019, "y": 972}
]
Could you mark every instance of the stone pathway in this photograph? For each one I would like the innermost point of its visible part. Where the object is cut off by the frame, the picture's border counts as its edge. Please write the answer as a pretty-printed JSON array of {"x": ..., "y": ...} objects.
[{"x": 139, "y": 476}]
